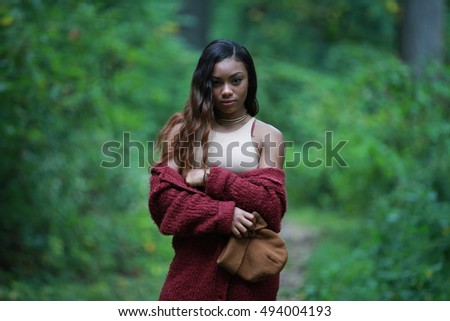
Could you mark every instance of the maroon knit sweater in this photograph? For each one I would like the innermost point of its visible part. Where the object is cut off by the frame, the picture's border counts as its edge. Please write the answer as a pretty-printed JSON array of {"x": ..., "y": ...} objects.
[{"x": 200, "y": 222}]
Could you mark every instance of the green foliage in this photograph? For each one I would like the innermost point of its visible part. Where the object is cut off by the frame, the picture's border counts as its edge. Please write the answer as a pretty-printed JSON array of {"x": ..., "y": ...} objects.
[
  {"x": 303, "y": 31},
  {"x": 412, "y": 264},
  {"x": 118, "y": 257},
  {"x": 396, "y": 182},
  {"x": 76, "y": 74}
]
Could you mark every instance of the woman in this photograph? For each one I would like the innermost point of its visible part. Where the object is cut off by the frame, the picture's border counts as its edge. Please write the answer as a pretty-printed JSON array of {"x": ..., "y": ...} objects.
[{"x": 218, "y": 165}]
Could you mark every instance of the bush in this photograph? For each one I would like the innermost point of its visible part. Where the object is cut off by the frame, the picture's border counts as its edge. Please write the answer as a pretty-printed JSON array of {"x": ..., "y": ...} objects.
[
  {"x": 398, "y": 143},
  {"x": 74, "y": 76}
]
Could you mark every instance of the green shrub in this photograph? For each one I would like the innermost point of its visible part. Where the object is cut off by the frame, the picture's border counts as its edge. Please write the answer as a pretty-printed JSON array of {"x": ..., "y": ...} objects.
[
  {"x": 73, "y": 77},
  {"x": 396, "y": 184}
]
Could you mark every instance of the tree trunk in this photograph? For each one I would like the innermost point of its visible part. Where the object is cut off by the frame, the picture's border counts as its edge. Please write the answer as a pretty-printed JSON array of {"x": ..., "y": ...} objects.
[
  {"x": 195, "y": 27},
  {"x": 422, "y": 33}
]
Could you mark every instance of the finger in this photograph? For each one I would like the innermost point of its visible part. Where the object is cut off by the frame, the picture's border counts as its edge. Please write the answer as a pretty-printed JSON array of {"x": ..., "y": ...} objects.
[
  {"x": 248, "y": 224},
  {"x": 249, "y": 216},
  {"x": 243, "y": 230},
  {"x": 188, "y": 179},
  {"x": 236, "y": 232}
]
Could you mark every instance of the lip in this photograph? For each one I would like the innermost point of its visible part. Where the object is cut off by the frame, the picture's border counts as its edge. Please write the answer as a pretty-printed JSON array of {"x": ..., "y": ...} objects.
[{"x": 227, "y": 102}]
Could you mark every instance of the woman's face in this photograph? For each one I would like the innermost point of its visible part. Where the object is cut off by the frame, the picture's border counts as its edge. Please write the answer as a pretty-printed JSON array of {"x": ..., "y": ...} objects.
[{"x": 230, "y": 85}]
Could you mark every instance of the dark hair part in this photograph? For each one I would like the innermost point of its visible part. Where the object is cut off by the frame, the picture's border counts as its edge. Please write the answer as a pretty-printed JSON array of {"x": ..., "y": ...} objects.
[{"x": 192, "y": 126}]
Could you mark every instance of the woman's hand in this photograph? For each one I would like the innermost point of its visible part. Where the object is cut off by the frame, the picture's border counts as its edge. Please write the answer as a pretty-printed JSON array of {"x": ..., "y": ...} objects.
[
  {"x": 195, "y": 177},
  {"x": 243, "y": 223}
]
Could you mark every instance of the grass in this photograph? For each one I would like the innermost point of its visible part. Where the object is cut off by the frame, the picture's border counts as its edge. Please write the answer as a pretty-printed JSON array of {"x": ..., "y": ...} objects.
[{"x": 337, "y": 269}]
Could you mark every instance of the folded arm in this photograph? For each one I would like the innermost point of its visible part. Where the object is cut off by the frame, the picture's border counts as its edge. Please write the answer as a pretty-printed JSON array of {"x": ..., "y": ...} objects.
[
  {"x": 261, "y": 190},
  {"x": 178, "y": 209}
]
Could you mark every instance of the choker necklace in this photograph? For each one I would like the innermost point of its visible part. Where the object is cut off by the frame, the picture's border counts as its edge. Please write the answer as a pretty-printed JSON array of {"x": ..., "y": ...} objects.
[{"x": 231, "y": 122}]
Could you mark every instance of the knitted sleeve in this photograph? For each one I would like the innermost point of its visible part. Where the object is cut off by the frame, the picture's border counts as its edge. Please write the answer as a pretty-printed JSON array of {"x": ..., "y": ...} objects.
[
  {"x": 180, "y": 210},
  {"x": 261, "y": 190}
]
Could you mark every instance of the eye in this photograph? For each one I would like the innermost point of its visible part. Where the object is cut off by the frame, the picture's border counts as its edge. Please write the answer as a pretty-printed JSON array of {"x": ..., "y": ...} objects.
[
  {"x": 216, "y": 83},
  {"x": 236, "y": 81}
]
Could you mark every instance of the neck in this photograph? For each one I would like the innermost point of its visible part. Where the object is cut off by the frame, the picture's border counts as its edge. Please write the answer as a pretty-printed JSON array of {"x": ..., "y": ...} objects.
[{"x": 226, "y": 121}]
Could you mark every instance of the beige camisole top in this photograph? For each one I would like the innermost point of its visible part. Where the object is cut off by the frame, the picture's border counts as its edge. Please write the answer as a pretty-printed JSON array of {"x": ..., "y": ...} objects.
[{"x": 234, "y": 151}]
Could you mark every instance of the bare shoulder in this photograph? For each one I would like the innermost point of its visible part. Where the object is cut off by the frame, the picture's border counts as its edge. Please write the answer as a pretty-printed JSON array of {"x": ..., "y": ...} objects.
[
  {"x": 271, "y": 145},
  {"x": 264, "y": 132}
]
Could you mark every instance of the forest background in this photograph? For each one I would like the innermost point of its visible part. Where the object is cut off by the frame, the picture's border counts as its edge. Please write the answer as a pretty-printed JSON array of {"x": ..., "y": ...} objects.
[{"x": 77, "y": 74}]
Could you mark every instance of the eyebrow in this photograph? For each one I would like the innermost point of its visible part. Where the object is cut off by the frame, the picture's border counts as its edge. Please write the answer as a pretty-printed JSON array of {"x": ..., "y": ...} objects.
[{"x": 239, "y": 73}]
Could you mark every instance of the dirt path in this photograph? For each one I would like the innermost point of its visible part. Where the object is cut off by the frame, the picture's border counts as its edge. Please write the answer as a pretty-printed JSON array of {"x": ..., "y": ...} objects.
[{"x": 300, "y": 242}]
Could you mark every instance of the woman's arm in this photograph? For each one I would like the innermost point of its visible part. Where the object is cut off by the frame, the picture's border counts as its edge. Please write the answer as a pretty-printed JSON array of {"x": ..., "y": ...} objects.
[
  {"x": 178, "y": 209},
  {"x": 261, "y": 190},
  {"x": 272, "y": 147}
]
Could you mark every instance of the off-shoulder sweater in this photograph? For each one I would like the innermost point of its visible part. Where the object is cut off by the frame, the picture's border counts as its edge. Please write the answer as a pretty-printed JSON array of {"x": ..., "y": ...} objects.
[{"x": 200, "y": 222}]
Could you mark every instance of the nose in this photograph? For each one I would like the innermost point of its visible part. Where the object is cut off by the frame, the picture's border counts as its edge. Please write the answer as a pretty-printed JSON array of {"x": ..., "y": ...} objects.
[{"x": 226, "y": 90}]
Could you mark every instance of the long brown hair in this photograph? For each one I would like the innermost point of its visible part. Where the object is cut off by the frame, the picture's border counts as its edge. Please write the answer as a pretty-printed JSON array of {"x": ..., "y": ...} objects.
[{"x": 195, "y": 120}]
